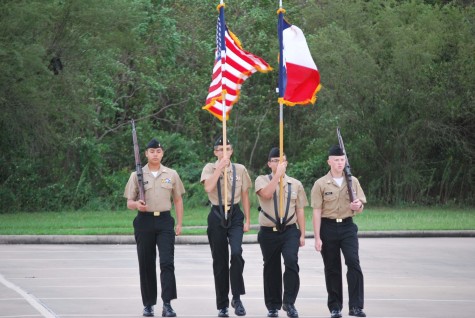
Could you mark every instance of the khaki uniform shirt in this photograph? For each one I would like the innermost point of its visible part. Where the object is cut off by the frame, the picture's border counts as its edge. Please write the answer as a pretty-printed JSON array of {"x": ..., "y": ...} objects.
[
  {"x": 243, "y": 182},
  {"x": 334, "y": 200},
  {"x": 298, "y": 199},
  {"x": 158, "y": 190}
]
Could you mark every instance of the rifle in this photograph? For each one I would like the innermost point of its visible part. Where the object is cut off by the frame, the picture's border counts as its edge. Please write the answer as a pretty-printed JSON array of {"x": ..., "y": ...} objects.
[
  {"x": 138, "y": 164},
  {"x": 347, "y": 169}
]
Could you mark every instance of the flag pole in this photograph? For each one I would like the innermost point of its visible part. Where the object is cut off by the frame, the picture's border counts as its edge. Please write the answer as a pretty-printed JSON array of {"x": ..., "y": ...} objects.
[
  {"x": 281, "y": 159},
  {"x": 281, "y": 111},
  {"x": 223, "y": 103}
]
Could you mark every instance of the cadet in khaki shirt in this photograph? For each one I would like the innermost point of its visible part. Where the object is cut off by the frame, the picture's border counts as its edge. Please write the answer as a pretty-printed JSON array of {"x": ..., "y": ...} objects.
[
  {"x": 222, "y": 230},
  {"x": 334, "y": 231},
  {"x": 153, "y": 226},
  {"x": 279, "y": 235}
]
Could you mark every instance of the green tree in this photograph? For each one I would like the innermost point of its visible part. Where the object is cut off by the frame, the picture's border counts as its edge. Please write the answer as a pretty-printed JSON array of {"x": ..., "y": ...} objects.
[{"x": 397, "y": 77}]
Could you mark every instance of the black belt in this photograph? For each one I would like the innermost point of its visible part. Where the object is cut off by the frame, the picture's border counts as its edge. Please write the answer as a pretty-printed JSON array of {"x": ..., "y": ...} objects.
[
  {"x": 349, "y": 219},
  {"x": 274, "y": 229},
  {"x": 154, "y": 213},
  {"x": 231, "y": 207}
]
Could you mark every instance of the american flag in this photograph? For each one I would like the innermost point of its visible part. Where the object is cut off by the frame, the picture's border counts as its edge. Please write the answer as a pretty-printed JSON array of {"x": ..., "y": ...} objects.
[{"x": 232, "y": 66}]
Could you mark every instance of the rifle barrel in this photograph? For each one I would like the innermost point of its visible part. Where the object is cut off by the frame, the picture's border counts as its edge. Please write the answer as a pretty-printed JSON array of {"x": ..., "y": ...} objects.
[
  {"x": 347, "y": 169},
  {"x": 138, "y": 163}
]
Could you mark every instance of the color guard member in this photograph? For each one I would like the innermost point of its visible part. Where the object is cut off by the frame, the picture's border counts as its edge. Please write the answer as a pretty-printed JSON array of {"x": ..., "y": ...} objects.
[
  {"x": 153, "y": 226},
  {"x": 279, "y": 235},
  {"x": 223, "y": 231},
  {"x": 335, "y": 231}
]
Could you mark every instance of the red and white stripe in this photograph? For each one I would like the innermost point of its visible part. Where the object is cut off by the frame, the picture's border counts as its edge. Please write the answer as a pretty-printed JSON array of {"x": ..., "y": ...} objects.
[{"x": 238, "y": 66}]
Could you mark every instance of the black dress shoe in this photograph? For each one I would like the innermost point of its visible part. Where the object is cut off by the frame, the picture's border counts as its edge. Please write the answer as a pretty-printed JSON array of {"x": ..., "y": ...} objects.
[
  {"x": 335, "y": 313},
  {"x": 291, "y": 311},
  {"x": 223, "y": 312},
  {"x": 357, "y": 312},
  {"x": 273, "y": 313},
  {"x": 238, "y": 307},
  {"x": 168, "y": 311},
  {"x": 148, "y": 311}
]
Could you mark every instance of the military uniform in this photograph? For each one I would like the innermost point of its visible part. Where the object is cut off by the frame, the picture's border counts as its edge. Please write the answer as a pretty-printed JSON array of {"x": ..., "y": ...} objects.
[
  {"x": 285, "y": 242},
  {"x": 156, "y": 228},
  {"x": 220, "y": 233},
  {"x": 338, "y": 232}
]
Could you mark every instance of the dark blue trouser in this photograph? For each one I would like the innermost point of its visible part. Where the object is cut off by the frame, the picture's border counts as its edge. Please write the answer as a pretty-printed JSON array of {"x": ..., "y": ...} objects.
[
  {"x": 219, "y": 237},
  {"x": 152, "y": 232},
  {"x": 342, "y": 237}
]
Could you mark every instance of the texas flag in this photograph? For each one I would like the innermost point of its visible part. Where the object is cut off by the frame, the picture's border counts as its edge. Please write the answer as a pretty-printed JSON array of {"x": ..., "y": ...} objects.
[{"x": 299, "y": 79}]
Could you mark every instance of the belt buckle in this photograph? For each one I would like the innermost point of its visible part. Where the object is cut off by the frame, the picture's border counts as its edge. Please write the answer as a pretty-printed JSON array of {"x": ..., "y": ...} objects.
[
  {"x": 156, "y": 213},
  {"x": 339, "y": 220},
  {"x": 274, "y": 229}
]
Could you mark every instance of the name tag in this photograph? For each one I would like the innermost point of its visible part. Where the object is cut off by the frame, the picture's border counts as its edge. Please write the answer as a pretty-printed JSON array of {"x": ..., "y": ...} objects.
[{"x": 328, "y": 193}]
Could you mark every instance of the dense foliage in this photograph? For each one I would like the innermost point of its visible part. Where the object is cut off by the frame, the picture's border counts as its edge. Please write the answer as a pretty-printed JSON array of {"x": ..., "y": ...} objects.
[{"x": 398, "y": 78}]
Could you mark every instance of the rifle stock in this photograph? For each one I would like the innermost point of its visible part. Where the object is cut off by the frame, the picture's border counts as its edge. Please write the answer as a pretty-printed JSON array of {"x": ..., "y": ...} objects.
[
  {"x": 347, "y": 169},
  {"x": 138, "y": 163}
]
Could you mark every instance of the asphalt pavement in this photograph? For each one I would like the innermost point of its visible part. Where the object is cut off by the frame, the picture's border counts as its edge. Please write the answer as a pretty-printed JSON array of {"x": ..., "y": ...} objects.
[{"x": 405, "y": 277}]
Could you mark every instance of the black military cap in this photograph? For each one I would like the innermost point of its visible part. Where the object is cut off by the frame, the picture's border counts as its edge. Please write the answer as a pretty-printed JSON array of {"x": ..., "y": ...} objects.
[
  {"x": 154, "y": 143},
  {"x": 219, "y": 141},
  {"x": 335, "y": 150},
  {"x": 274, "y": 153}
]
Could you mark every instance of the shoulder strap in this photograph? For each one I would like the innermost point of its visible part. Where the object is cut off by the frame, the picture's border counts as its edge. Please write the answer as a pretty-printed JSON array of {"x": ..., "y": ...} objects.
[
  {"x": 220, "y": 197},
  {"x": 276, "y": 209}
]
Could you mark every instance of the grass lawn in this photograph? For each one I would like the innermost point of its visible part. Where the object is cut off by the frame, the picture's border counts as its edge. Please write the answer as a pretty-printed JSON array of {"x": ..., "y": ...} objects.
[{"x": 120, "y": 222}]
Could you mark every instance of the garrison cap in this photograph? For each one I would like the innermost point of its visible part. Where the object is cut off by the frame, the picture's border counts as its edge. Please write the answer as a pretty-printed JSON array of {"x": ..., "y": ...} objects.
[
  {"x": 219, "y": 141},
  {"x": 335, "y": 150},
  {"x": 154, "y": 143},
  {"x": 274, "y": 153}
]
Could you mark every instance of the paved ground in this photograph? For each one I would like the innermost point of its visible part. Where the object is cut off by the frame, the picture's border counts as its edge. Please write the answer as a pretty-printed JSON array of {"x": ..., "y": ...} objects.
[{"x": 404, "y": 277}]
